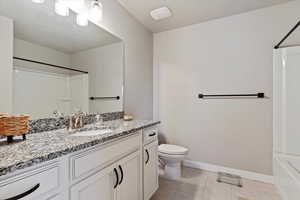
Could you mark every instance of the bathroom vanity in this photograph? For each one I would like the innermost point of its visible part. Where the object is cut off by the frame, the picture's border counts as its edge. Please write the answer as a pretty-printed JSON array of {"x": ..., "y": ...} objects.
[{"x": 58, "y": 165}]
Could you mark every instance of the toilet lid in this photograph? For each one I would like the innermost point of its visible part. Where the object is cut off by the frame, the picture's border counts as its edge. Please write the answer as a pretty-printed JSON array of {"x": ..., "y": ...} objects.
[{"x": 172, "y": 149}]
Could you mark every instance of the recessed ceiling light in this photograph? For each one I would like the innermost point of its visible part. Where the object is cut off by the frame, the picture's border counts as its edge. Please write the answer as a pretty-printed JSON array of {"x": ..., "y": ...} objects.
[{"x": 161, "y": 13}]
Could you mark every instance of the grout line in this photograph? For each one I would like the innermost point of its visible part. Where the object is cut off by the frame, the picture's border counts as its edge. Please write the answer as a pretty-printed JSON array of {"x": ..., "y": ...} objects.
[
  {"x": 205, "y": 185},
  {"x": 232, "y": 192}
]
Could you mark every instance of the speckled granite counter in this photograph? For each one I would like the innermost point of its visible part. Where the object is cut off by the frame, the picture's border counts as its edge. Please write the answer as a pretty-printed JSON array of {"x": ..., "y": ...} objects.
[{"x": 46, "y": 146}]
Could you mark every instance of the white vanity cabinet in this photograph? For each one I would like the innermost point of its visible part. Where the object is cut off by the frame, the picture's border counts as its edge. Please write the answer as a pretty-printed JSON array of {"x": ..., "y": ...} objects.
[
  {"x": 124, "y": 169},
  {"x": 130, "y": 182},
  {"x": 39, "y": 183},
  {"x": 119, "y": 181},
  {"x": 98, "y": 186},
  {"x": 150, "y": 170},
  {"x": 150, "y": 162}
]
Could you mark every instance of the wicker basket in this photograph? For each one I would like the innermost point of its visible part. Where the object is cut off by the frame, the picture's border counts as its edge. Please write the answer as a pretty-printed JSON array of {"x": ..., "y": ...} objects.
[{"x": 11, "y": 125}]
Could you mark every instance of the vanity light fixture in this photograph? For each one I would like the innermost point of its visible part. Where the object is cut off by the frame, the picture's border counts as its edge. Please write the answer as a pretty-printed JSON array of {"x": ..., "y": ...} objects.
[
  {"x": 38, "y": 1},
  {"x": 61, "y": 8},
  {"x": 82, "y": 20},
  {"x": 94, "y": 11},
  {"x": 97, "y": 10}
]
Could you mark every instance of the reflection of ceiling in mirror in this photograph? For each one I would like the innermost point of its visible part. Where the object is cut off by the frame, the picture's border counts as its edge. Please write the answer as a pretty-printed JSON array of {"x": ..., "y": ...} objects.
[{"x": 38, "y": 23}]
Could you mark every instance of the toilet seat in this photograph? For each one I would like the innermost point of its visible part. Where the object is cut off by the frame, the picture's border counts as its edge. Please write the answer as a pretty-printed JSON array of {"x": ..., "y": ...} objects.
[{"x": 171, "y": 149}]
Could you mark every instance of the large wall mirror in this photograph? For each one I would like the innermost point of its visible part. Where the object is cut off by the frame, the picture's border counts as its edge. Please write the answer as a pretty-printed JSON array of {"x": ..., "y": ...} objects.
[{"x": 61, "y": 67}]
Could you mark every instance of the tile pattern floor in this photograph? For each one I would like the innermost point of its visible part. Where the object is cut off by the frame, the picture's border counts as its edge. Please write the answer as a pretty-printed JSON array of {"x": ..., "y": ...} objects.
[{"x": 202, "y": 185}]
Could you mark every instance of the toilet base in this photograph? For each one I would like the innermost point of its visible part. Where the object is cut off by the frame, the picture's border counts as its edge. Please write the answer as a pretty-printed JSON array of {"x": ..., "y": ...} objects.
[{"x": 172, "y": 171}]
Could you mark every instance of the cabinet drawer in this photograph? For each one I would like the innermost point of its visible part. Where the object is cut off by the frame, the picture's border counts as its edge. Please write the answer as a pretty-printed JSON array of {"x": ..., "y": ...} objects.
[
  {"x": 150, "y": 134},
  {"x": 88, "y": 161},
  {"x": 31, "y": 185}
]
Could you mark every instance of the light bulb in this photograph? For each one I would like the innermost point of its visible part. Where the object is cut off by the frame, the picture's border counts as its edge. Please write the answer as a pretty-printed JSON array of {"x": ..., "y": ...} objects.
[
  {"x": 82, "y": 20},
  {"x": 97, "y": 11},
  {"x": 38, "y": 1},
  {"x": 61, "y": 8}
]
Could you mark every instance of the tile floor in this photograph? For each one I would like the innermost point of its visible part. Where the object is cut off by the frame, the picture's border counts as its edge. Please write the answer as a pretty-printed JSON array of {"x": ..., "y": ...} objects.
[{"x": 202, "y": 185}]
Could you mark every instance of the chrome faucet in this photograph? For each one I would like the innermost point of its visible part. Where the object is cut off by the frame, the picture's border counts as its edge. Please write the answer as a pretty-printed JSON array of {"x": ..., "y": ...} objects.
[
  {"x": 76, "y": 120},
  {"x": 70, "y": 124}
]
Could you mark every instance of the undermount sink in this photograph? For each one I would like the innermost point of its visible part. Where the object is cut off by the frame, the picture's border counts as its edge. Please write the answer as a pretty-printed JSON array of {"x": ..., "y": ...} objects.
[{"x": 93, "y": 132}]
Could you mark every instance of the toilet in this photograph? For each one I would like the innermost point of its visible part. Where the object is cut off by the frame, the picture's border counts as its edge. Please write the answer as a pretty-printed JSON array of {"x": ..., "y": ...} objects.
[{"x": 171, "y": 156}]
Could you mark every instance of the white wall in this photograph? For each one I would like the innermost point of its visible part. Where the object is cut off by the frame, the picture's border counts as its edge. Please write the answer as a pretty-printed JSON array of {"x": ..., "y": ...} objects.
[
  {"x": 228, "y": 55},
  {"x": 6, "y": 66},
  {"x": 105, "y": 66},
  {"x": 28, "y": 50},
  {"x": 138, "y": 58}
]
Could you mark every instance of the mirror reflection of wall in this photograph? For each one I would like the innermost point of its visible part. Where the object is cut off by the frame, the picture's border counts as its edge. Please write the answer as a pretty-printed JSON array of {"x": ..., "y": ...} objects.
[
  {"x": 39, "y": 89},
  {"x": 105, "y": 81}
]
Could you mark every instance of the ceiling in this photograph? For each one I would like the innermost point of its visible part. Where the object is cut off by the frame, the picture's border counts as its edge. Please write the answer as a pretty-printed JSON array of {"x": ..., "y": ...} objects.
[
  {"x": 38, "y": 23},
  {"x": 187, "y": 12}
]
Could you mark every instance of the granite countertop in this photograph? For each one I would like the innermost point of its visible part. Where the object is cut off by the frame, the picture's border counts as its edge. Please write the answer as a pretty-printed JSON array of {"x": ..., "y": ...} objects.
[{"x": 45, "y": 146}]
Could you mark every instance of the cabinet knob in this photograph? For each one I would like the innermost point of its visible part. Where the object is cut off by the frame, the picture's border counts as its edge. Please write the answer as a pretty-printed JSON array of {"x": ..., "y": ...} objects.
[
  {"x": 148, "y": 157},
  {"x": 122, "y": 175},
  {"x": 152, "y": 134},
  {"x": 117, "y": 178}
]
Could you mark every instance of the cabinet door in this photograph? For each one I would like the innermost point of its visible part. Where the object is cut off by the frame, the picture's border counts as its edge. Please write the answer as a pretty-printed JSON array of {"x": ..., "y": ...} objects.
[
  {"x": 130, "y": 187},
  {"x": 150, "y": 169},
  {"x": 100, "y": 186}
]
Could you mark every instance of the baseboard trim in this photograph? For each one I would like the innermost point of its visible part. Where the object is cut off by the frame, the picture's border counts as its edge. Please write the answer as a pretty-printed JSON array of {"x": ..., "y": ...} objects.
[{"x": 242, "y": 173}]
